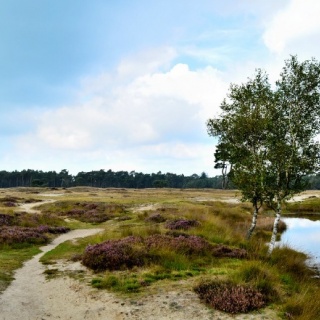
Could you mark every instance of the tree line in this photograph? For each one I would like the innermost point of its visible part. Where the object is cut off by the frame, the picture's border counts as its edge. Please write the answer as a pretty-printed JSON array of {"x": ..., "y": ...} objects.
[
  {"x": 107, "y": 179},
  {"x": 120, "y": 179}
]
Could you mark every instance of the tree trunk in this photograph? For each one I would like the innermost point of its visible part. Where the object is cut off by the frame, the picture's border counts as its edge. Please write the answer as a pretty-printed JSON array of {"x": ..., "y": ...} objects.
[
  {"x": 253, "y": 222},
  {"x": 275, "y": 228}
]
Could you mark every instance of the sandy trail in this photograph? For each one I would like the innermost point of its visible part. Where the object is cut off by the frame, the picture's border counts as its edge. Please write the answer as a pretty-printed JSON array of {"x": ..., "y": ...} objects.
[
  {"x": 29, "y": 295},
  {"x": 28, "y": 207}
]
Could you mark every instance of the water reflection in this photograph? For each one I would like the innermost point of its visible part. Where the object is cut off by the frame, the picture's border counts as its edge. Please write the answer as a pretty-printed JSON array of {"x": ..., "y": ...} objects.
[{"x": 303, "y": 235}]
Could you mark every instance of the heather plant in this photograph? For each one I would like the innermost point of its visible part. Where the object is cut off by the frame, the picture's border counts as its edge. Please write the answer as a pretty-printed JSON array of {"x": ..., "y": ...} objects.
[
  {"x": 156, "y": 217},
  {"x": 9, "y": 204},
  {"x": 226, "y": 251},
  {"x": 230, "y": 297},
  {"x": 181, "y": 224},
  {"x": 14, "y": 235},
  {"x": 10, "y": 235},
  {"x": 185, "y": 244},
  {"x": 9, "y": 199},
  {"x": 114, "y": 254},
  {"x": 6, "y": 219},
  {"x": 86, "y": 211}
]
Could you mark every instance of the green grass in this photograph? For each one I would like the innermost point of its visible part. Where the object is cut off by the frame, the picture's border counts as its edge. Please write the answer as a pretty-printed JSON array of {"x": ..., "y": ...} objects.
[{"x": 310, "y": 206}]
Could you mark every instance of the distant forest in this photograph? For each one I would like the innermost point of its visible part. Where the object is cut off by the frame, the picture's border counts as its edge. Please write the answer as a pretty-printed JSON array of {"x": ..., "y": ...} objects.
[{"x": 119, "y": 179}]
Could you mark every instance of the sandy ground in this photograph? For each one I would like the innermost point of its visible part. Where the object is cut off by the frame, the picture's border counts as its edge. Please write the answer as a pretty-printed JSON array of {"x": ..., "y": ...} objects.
[
  {"x": 33, "y": 297},
  {"x": 28, "y": 207}
]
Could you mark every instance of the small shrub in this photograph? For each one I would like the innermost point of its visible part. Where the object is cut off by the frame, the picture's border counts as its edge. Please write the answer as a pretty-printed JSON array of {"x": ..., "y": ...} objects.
[
  {"x": 6, "y": 220},
  {"x": 114, "y": 254},
  {"x": 90, "y": 212},
  {"x": 229, "y": 297},
  {"x": 9, "y": 199},
  {"x": 9, "y": 204},
  {"x": 15, "y": 234},
  {"x": 226, "y": 251},
  {"x": 182, "y": 244},
  {"x": 181, "y": 224},
  {"x": 155, "y": 217}
]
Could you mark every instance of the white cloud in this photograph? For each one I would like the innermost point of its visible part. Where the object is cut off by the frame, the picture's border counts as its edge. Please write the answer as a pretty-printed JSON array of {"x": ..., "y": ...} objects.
[
  {"x": 155, "y": 121},
  {"x": 294, "y": 28},
  {"x": 146, "y": 61}
]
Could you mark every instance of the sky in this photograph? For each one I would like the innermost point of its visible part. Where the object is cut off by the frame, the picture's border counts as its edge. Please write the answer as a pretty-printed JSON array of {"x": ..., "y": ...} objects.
[{"x": 129, "y": 84}]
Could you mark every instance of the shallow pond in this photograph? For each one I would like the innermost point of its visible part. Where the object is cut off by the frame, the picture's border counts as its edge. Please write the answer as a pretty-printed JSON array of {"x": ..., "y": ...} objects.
[{"x": 303, "y": 235}]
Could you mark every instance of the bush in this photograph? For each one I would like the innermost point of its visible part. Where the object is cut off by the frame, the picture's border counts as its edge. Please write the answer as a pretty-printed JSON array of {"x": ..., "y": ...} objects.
[
  {"x": 9, "y": 204},
  {"x": 93, "y": 212},
  {"x": 229, "y": 297},
  {"x": 181, "y": 224},
  {"x": 15, "y": 234},
  {"x": 114, "y": 254},
  {"x": 225, "y": 251},
  {"x": 155, "y": 217},
  {"x": 6, "y": 220},
  {"x": 182, "y": 244}
]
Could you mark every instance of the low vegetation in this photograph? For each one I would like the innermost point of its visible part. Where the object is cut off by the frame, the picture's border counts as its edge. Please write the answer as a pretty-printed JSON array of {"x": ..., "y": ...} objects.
[
  {"x": 182, "y": 238},
  {"x": 310, "y": 206}
]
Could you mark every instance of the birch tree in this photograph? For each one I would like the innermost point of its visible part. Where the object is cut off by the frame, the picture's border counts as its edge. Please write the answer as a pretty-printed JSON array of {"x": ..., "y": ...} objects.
[
  {"x": 242, "y": 129},
  {"x": 293, "y": 149},
  {"x": 267, "y": 137}
]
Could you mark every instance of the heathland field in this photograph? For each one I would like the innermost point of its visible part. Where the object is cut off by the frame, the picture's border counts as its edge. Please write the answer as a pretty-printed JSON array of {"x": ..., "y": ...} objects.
[{"x": 88, "y": 253}]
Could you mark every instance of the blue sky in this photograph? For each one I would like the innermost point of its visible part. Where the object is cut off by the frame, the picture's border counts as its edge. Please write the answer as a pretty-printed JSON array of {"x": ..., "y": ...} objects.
[{"x": 129, "y": 85}]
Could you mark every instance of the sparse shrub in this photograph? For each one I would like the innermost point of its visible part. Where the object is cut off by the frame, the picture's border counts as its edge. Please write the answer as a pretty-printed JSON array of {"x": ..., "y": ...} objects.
[
  {"x": 176, "y": 233},
  {"x": 229, "y": 297},
  {"x": 114, "y": 254},
  {"x": 124, "y": 218},
  {"x": 9, "y": 199},
  {"x": 183, "y": 244},
  {"x": 15, "y": 234},
  {"x": 181, "y": 224},
  {"x": 155, "y": 217},
  {"x": 222, "y": 250},
  {"x": 9, "y": 204},
  {"x": 6, "y": 219},
  {"x": 89, "y": 212}
]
